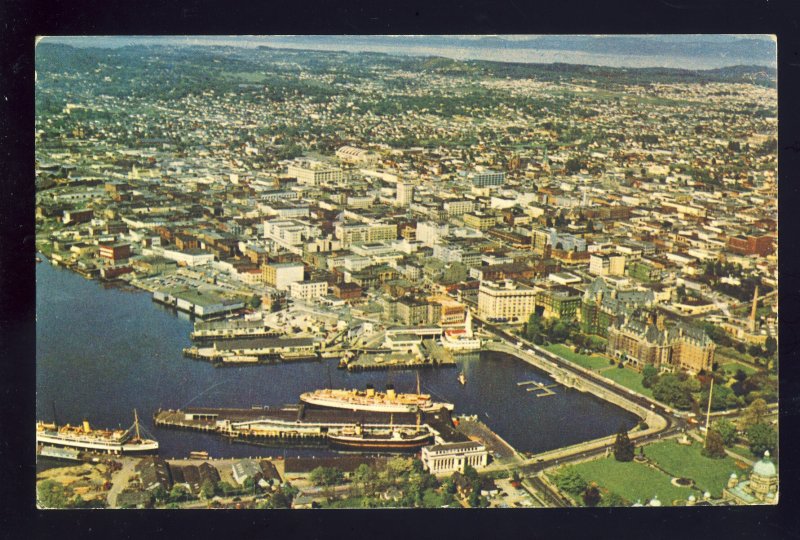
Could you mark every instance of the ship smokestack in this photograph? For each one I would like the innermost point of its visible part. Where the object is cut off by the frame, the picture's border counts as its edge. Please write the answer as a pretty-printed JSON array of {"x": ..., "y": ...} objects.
[{"x": 86, "y": 428}]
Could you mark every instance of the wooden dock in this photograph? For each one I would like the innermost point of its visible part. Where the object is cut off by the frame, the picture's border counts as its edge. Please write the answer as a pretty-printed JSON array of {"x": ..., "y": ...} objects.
[{"x": 543, "y": 390}]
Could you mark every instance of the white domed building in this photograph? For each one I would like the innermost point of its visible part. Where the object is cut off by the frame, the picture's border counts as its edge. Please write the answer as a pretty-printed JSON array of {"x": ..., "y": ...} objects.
[{"x": 760, "y": 488}]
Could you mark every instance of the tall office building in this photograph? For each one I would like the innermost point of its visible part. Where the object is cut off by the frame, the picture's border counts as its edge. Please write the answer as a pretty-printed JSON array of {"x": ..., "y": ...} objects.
[{"x": 405, "y": 193}]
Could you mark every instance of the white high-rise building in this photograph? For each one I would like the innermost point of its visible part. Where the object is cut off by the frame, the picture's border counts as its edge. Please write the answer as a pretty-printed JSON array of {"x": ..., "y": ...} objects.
[{"x": 405, "y": 193}]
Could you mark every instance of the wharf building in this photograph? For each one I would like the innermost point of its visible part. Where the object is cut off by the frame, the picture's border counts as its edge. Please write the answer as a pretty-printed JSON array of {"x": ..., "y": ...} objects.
[
  {"x": 455, "y": 456},
  {"x": 115, "y": 252},
  {"x": 268, "y": 346},
  {"x": 681, "y": 347},
  {"x": 192, "y": 301}
]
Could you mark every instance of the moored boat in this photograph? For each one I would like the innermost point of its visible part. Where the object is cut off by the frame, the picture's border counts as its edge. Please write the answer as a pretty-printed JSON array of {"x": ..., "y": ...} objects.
[
  {"x": 84, "y": 437},
  {"x": 370, "y": 400},
  {"x": 392, "y": 439}
]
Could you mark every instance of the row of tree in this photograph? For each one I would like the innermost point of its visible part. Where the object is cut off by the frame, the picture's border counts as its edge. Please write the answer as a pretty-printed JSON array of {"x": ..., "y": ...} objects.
[{"x": 540, "y": 330}]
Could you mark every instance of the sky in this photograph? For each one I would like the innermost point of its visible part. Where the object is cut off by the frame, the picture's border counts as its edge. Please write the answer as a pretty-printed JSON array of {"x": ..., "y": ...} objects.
[{"x": 698, "y": 51}]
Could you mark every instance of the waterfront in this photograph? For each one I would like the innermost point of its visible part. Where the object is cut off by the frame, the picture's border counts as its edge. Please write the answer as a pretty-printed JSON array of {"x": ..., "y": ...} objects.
[{"x": 103, "y": 351}]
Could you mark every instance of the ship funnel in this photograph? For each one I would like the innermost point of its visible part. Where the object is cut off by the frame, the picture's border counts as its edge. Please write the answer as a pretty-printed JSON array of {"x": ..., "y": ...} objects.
[
  {"x": 390, "y": 392},
  {"x": 370, "y": 392},
  {"x": 86, "y": 428}
]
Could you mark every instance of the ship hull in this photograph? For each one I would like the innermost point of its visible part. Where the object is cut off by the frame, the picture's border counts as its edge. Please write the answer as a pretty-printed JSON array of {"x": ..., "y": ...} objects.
[
  {"x": 377, "y": 444},
  {"x": 332, "y": 403},
  {"x": 98, "y": 446}
]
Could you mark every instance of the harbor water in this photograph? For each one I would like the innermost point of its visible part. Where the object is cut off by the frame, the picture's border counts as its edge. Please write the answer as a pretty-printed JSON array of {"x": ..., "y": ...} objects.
[{"x": 103, "y": 351}]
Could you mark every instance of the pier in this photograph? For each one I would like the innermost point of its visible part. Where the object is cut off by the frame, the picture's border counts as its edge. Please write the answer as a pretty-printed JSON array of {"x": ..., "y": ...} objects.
[
  {"x": 431, "y": 355},
  {"x": 301, "y": 424},
  {"x": 543, "y": 390}
]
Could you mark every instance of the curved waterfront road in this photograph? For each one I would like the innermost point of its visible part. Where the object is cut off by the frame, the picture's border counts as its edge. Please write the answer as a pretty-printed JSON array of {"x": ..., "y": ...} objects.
[{"x": 673, "y": 424}]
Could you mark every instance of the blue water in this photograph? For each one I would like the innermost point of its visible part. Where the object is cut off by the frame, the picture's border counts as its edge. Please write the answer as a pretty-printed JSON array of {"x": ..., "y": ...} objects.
[{"x": 103, "y": 351}]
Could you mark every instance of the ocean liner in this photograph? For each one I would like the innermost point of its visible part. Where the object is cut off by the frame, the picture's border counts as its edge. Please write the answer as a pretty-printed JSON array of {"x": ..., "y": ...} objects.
[
  {"x": 370, "y": 400},
  {"x": 109, "y": 441}
]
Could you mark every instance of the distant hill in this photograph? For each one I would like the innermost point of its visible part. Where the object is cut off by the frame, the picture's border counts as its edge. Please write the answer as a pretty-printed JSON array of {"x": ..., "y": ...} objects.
[{"x": 59, "y": 57}]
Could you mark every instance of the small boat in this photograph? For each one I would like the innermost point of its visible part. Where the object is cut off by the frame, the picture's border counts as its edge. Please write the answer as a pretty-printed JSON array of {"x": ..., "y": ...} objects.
[
  {"x": 198, "y": 454},
  {"x": 462, "y": 378},
  {"x": 38, "y": 259}
]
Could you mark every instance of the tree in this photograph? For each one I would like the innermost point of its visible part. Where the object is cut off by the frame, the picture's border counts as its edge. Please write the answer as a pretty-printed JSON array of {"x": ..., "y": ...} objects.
[
  {"x": 612, "y": 500},
  {"x": 670, "y": 390},
  {"x": 649, "y": 376},
  {"x": 714, "y": 446},
  {"x": 623, "y": 446},
  {"x": 207, "y": 489},
  {"x": 762, "y": 437},
  {"x": 255, "y": 301},
  {"x": 726, "y": 430},
  {"x": 326, "y": 476},
  {"x": 570, "y": 481},
  {"x": 178, "y": 494},
  {"x": 225, "y": 488},
  {"x": 771, "y": 346},
  {"x": 51, "y": 494},
  {"x": 279, "y": 499},
  {"x": 591, "y": 495},
  {"x": 754, "y": 414},
  {"x": 364, "y": 477},
  {"x": 398, "y": 467},
  {"x": 721, "y": 398}
]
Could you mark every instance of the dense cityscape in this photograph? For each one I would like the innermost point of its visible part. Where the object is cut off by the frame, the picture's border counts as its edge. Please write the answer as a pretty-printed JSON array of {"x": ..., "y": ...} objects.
[{"x": 601, "y": 239}]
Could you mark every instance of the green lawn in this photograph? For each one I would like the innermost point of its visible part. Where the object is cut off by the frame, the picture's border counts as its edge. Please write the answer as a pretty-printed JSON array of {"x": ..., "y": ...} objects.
[
  {"x": 686, "y": 461},
  {"x": 731, "y": 367},
  {"x": 736, "y": 355},
  {"x": 589, "y": 362},
  {"x": 632, "y": 481},
  {"x": 629, "y": 379}
]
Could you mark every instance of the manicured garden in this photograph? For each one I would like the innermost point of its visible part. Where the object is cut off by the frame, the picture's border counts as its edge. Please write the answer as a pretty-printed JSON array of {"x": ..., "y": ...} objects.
[
  {"x": 732, "y": 367},
  {"x": 629, "y": 379},
  {"x": 686, "y": 461},
  {"x": 583, "y": 360},
  {"x": 632, "y": 481}
]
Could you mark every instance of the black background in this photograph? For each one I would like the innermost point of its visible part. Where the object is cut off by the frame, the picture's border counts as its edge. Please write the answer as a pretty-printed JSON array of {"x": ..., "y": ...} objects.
[{"x": 21, "y": 20}]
